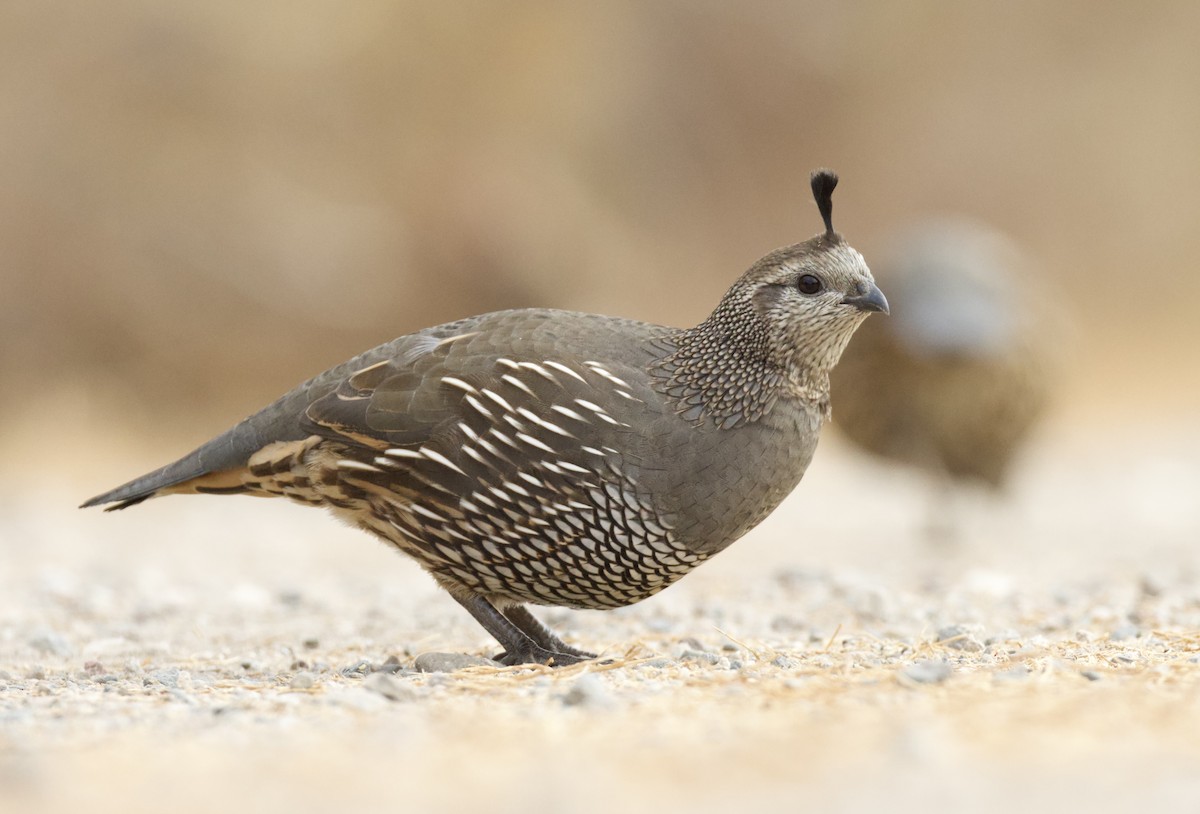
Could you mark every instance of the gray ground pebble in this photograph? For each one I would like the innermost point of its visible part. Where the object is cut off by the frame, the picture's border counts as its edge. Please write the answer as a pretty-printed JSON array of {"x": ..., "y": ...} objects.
[
  {"x": 785, "y": 662},
  {"x": 168, "y": 677},
  {"x": 1016, "y": 672},
  {"x": 449, "y": 662},
  {"x": 658, "y": 662},
  {"x": 1090, "y": 675},
  {"x": 390, "y": 688},
  {"x": 700, "y": 656},
  {"x": 359, "y": 668},
  {"x": 588, "y": 691},
  {"x": 390, "y": 665},
  {"x": 303, "y": 680},
  {"x": 959, "y": 637},
  {"x": 1125, "y": 632},
  {"x": 52, "y": 643},
  {"x": 930, "y": 671}
]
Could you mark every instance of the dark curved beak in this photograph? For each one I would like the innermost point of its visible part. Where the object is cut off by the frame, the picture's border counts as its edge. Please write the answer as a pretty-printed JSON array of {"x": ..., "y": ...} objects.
[{"x": 869, "y": 298}]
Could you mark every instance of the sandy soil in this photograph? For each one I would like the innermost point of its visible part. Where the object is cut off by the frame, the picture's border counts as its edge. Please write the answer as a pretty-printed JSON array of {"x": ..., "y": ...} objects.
[{"x": 200, "y": 653}]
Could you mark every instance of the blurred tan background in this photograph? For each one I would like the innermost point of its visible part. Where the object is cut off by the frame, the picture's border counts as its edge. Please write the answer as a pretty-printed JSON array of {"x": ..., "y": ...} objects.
[{"x": 203, "y": 204}]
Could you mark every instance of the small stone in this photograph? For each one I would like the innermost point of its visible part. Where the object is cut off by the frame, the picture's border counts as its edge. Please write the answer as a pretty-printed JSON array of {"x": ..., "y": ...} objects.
[
  {"x": 52, "y": 643},
  {"x": 390, "y": 665},
  {"x": 658, "y": 662},
  {"x": 389, "y": 687},
  {"x": 588, "y": 691},
  {"x": 1090, "y": 675},
  {"x": 36, "y": 672},
  {"x": 303, "y": 680},
  {"x": 930, "y": 671},
  {"x": 93, "y": 668},
  {"x": 1013, "y": 673},
  {"x": 1125, "y": 632},
  {"x": 168, "y": 677},
  {"x": 959, "y": 637},
  {"x": 699, "y": 655},
  {"x": 5, "y": 675},
  {"x": 358, "y": 669},
  {"x": 449, "y": 662},
  {"x": 785, "y": 662},
  {"x": 312, "y": 644}
]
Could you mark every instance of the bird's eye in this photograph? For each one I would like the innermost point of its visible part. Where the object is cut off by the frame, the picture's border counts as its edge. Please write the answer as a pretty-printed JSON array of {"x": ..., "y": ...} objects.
[{"x": 809, "y": 284}]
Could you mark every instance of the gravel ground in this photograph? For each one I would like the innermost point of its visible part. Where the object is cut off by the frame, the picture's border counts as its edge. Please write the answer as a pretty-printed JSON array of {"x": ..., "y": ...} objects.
[{"x": 200, "y": 653}]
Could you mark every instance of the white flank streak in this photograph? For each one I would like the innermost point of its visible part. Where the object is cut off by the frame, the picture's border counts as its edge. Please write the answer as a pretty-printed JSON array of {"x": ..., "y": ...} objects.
[
  {"x": 538, "y": 369},
  {"x": 503, "y": 438},
  {"x": 459, "y": 383},
  {"x": 470, "y": 433},
  {"x": 474, "y": 454},
  {"x": 599, "y": 368},
  {"x": 468, "y": 506},
  {"x": 561, "y": 367},
  {"x": 516, "y": 425},
  {"x": 500, "y": 493},
  {"x": 611, "y": 420},
  {"x": 531, "y": 479},
  {"x": 515, "y": 487},
  {"x": 515, "y": 382},
  {"x": 397, "y": 452},
  {"x": 595, "y": 408},
  {"x": 421, "y": 510},
  {"x": 455, "y": 338},
  {"x": 478, "y": 405},
  {"x": 568, "y": 412},
  {"x": 508, "y": 363},
  {"x": 572, "y": 467},
  {"x": 552, "y": 467},
  {"x": 370, "y": 367},
  {"x": 595, "y": 451},
  {"x": 541, "y": 422},
  {"x": 489, "y": 446},
  {"x": 484, "y": 499},
  {"x": 498, "y": 399},
  {"x": 533, "y": 442},
  {"x": 346, "y": 463},
  {"x": 629, "y": 396},
  {"x": 438, "y": 457}
]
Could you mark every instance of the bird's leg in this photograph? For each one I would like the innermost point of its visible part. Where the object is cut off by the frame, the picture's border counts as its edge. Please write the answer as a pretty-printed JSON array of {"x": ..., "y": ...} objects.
[
  {"x": 541, "y": 635},
  {"x": 519, "y": 648}
]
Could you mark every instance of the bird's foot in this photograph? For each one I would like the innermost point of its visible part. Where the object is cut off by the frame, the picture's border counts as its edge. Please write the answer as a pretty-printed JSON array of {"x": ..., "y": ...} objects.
[{"x": 535, "y": 654}]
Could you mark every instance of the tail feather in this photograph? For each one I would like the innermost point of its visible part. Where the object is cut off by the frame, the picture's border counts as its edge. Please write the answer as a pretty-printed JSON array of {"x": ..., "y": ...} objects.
[
  {"x": 218, "y": 461},
  {"x": 228, "y": 451}
]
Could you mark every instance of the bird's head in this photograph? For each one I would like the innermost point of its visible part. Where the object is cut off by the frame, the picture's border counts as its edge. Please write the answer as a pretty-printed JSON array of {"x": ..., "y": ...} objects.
[{"x": 806, "y": 300}]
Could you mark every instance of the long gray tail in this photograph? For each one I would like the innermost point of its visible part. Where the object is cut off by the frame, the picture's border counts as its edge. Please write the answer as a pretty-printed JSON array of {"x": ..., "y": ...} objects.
[{"x": 227, "y": 451}]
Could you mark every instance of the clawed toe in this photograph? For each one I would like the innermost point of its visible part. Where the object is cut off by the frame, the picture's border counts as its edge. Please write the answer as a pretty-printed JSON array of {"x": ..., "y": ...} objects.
[{"x": 540, "y": 655}]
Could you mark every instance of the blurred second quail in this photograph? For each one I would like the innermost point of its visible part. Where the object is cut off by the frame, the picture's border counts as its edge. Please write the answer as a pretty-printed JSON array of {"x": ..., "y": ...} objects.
[
  {"x": 557, "y": 458},
  {"x": 957, "y": 379}
]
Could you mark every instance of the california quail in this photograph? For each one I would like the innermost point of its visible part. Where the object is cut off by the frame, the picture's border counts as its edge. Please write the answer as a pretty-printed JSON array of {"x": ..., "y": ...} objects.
[
  {"x": 557, "y": 458},
  {"x": 955, "y": 382}
]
